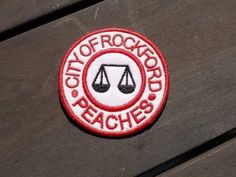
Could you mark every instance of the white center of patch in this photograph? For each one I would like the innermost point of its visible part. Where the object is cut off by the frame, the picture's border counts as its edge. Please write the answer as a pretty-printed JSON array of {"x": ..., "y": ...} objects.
[{"x": 113, "y": 79}]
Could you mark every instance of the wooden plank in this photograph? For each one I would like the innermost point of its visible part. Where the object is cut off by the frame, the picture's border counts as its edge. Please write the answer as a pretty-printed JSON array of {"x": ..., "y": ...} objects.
[
  {"x": 198, "y": 41},
  {"x": 218, "y": 162},
  {"x": 16, "y": 12}
]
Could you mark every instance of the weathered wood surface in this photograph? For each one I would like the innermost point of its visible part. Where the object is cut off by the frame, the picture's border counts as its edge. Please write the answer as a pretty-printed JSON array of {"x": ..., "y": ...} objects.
[
  {"x": 14, "y": 12},
  {"x": 199, "y": 42},
  {"x": 218, "y": 162}
]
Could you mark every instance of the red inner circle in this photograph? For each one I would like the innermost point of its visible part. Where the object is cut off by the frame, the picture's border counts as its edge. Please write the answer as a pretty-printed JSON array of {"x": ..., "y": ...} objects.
[{"x": 114, "y": 108}]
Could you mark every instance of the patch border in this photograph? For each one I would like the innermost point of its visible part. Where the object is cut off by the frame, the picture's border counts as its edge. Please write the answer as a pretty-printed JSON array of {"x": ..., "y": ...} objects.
[{"x": 120, "y": 134}]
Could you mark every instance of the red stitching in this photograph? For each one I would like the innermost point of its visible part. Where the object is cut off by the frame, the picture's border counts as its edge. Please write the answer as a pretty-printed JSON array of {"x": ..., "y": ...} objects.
[{"x": 123, "y": 133}]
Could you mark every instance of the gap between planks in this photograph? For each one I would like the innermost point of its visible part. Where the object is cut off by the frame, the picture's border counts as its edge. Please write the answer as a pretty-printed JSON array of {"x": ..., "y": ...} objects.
[
  {"x": 188, "y": 155},
  {"x": 47, "y": 18}
]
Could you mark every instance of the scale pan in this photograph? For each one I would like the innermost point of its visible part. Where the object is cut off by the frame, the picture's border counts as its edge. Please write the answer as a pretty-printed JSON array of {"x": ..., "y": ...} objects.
[
  {"x": 126, "y": 89},
  {"x": 100, "y": 87}
]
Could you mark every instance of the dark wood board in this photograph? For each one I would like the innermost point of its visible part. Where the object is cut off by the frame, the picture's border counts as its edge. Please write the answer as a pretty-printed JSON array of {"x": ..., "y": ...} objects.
[
  {"x": 218, "y": 162},
  {"x": 199, "y": 42},
  {"x": 14, "y": 12}
]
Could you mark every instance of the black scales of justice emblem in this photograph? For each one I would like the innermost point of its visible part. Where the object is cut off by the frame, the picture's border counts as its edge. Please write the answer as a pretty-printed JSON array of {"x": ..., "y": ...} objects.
[{"x": 101, "y": 82}]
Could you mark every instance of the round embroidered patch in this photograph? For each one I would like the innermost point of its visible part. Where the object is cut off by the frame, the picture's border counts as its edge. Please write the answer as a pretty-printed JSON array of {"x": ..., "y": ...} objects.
[{"x": 113, "y": 82}]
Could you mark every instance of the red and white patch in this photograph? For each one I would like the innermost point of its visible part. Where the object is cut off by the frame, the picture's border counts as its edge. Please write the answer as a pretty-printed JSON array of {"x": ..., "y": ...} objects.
[{"x": 113, "y": 82}]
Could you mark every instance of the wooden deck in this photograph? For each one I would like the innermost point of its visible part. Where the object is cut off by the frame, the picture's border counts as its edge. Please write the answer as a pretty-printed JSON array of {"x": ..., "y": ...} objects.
[
  {"x": 14, "y": 13},
  {"x": 217, "y": 162},
  {"x": 198, "y": 40}
]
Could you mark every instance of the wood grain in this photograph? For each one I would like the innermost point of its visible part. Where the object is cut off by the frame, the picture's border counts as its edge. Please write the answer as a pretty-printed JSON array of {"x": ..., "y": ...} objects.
[
  {"x": 199, "y": 42},
  {"x": 218, "y": 162},
  {"x": 16, "y": 12}
]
